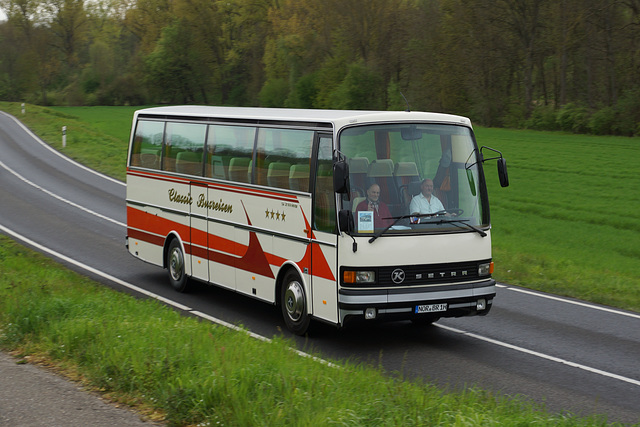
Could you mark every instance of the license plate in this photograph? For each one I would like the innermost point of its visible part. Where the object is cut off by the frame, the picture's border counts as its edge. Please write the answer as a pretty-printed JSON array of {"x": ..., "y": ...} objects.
[{"x": 430, "y": 308}]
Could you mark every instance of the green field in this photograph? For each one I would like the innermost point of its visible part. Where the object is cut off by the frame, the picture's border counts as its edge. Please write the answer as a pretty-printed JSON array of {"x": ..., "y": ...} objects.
[
  {"x": 569, "y": 223},
  {"x": 112, "y": 121}
]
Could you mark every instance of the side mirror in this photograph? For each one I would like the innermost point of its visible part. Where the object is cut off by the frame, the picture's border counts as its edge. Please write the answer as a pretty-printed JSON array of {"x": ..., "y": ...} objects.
[
  {"x": 341, "y": 177},
  {"x": 502, "y": 165},
  {"x": 502, "y": 172},
  {"x": 345, "y": 221}
]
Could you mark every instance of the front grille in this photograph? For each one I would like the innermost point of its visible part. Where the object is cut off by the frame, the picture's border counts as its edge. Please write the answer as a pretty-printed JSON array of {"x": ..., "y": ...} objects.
[{"x": 421, "y": 275}]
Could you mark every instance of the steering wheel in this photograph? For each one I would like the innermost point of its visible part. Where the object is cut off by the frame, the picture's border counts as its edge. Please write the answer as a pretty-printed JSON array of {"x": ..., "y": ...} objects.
[{"x": 454, "y": 212}]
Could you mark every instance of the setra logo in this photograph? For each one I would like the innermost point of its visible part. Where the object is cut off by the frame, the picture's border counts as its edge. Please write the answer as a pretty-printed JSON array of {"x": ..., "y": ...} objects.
[{"x": 397, "y": 276}]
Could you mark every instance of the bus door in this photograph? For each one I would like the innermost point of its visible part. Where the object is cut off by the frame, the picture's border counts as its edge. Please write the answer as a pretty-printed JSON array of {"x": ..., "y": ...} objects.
[
  {"x": 199, "y": 233},
  {"x": 221, "y": 237},
  {"x": 324, "y": 292}
]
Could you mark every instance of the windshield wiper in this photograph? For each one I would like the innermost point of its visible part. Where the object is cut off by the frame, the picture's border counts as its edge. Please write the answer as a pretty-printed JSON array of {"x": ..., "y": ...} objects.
[
  {"x": 396, "y": 219},
  {"x": 457, "y": 223},
  {"x": 447, "y": 220}
]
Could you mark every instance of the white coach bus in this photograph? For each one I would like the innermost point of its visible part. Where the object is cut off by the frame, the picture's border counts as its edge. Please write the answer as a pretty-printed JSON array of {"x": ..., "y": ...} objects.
[{"x": 316, "y": 211}]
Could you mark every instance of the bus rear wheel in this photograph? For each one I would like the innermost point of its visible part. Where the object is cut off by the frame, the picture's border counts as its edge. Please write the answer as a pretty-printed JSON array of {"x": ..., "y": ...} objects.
[
  {"x": 175, "y": 265},
  {"x": 293, "y": 302}
]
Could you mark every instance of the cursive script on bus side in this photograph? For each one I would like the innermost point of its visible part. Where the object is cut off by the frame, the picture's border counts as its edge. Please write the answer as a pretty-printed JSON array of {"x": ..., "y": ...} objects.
[
  {"x": 187, "y": 199},
  {"x": 174, "y": 196}
]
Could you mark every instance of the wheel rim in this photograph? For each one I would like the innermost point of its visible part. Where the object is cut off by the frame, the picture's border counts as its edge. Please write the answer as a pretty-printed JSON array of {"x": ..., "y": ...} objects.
[
  {"x": 294, "y": 300},
  {"x": 176, "y": 264}
]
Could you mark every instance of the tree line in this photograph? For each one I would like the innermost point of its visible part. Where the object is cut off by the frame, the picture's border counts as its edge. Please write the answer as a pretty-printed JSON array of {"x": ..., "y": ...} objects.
[{"x": 544, "y": 64}]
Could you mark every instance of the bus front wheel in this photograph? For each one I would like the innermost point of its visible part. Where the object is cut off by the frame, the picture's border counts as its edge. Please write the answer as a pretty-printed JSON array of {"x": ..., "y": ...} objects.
[
  {"x": 175, "y": 264},
  {"x": 293, "y": 301}
]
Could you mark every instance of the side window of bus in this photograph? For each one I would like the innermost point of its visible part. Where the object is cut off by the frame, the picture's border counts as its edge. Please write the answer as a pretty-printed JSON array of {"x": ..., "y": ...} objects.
[
  {"x": 147, "y": 144},
  {"x": 184, "y": 148},
  {"x": 282, "y": 158},
  {"x": 324, "y": 200},
  {"x": 229, "y": 152}
]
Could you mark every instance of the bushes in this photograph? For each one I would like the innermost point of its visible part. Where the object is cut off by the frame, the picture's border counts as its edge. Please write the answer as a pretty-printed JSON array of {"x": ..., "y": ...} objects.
[
  {"x": 622, "y": 119},
  {"x": 542, "y": 117},
  {"x": 573, "y": 118},
  {"x": 627, "y": 114},
  {"x": 602, "y": 122}
]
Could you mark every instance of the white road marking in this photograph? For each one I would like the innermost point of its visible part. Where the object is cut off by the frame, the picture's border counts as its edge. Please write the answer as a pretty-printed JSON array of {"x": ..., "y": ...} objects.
[
  {"x": 62, "y": 199},
  {"x": 540, "y": 355},
  {"x": 568, "y": 301}
]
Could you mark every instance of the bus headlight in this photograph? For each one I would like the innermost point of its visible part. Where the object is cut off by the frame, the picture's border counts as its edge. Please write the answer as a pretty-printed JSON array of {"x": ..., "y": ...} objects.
[
  {"x": 485, "y": 269},
  {"x": 359, "y": 276}
]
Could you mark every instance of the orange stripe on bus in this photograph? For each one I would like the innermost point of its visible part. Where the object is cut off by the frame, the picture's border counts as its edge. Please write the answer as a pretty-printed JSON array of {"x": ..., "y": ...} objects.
[{"x": 154, "y": 229}]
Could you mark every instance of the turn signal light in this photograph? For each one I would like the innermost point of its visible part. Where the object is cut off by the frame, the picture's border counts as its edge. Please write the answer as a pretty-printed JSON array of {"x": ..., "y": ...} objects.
[{"x": 365, "y": 276}]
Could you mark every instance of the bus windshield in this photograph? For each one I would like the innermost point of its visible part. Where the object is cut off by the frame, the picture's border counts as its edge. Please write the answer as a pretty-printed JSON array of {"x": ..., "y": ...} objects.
[{"x": 414, "y": 178}]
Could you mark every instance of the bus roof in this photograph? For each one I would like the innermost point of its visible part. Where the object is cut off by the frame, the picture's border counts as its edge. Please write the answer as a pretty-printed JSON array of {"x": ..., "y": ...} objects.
[{"x": 339, "y": 118}]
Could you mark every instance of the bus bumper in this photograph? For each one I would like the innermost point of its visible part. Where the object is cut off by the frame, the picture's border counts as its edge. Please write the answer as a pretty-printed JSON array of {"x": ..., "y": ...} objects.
[{"x": 456, "y": 300}]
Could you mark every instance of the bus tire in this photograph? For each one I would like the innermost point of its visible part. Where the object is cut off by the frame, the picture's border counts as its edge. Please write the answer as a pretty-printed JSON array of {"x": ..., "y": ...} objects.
[
  {"x": 293, "y": 302},
  {"x": 175, "y": 265}
]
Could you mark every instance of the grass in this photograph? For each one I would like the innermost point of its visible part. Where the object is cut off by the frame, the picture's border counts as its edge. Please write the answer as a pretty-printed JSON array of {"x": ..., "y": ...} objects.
[
  {"x": 569, "y": 223},
  {"x": 188, "y": 372}
]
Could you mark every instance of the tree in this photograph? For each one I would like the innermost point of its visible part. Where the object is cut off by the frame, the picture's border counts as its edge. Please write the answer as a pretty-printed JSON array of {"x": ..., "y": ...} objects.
[
  {"x": 523, "y": 19},
  {"x": 174, "y": 69},
  {"x": 361, "y": 89},
  {"x": 68, "y": 23},
  {"x": 22, "y": 14},
  {"x": 244, "y": 27},
  {"x": 146, "y": 19}
]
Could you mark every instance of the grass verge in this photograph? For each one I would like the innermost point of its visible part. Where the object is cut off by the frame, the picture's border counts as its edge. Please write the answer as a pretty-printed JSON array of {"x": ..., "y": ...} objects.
[{"x": 189, "y": 372}]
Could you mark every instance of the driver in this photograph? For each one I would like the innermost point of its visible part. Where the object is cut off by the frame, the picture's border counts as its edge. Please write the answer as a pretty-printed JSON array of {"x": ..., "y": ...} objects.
[{"x": 425, "y": 202}]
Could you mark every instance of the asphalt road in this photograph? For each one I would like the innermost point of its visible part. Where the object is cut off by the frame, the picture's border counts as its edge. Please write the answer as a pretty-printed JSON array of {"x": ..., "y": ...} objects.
[
  {"x": 32, "y": 396},
  {"x": 566, "y": 355}
]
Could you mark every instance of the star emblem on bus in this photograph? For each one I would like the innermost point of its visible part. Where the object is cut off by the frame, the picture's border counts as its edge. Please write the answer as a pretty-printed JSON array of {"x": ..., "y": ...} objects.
[{"x": 275, "y": 215}]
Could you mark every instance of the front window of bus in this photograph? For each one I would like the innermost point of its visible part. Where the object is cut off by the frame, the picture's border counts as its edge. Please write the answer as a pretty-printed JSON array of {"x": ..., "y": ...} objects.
[{"x": 415, "y": 178}]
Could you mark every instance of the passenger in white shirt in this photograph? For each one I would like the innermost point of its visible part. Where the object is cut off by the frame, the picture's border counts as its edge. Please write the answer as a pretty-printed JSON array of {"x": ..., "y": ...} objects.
[{"x": 425, "y": 202}]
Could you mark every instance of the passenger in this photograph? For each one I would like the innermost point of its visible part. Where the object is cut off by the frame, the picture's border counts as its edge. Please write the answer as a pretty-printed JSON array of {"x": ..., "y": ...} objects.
[
  {"x": 381, "y": 213},
  {"x": 425, "y": 202}
]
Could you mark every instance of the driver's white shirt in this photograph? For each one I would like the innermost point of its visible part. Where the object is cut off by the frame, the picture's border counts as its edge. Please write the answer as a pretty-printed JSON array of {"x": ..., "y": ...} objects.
[{"x": 420, "y": 204}]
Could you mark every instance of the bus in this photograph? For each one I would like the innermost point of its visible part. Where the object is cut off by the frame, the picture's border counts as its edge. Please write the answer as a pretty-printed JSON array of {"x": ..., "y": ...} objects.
[{"x": 311, "y": 210}]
